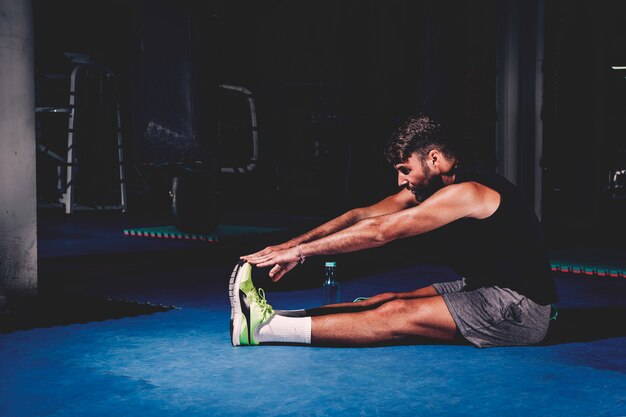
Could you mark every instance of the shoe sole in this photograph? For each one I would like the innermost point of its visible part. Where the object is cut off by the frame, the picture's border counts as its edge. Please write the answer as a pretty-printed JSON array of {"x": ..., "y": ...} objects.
[{"x": 236, "y": 315}]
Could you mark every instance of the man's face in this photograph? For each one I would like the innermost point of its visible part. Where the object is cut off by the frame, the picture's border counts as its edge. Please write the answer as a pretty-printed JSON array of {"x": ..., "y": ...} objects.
[{"x": 418, "y": 177}]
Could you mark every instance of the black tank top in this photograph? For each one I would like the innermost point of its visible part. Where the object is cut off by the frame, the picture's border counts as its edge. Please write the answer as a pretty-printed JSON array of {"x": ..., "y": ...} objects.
[{"x": 506, "y": 249}]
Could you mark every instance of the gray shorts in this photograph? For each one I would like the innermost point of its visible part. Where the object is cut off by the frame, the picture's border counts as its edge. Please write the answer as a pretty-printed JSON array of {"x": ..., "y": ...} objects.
[{"x": 494, "y": 316}]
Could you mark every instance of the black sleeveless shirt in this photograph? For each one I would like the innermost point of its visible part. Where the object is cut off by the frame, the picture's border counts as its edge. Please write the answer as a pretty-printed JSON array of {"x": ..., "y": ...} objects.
[{"x": 506, "y": 249}]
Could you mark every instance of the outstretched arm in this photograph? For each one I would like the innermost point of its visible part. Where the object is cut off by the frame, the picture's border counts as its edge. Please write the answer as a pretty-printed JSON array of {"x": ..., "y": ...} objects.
[
  {"x": 445, "y": 206},
  {"x": 391, "y": 204}
]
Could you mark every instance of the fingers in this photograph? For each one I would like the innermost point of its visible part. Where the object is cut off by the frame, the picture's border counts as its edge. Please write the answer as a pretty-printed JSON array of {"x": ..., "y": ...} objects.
[
  {"x": 257, "y": 254},
  {"x": 262, "y": 254},
  {"x": 253, "y": 257},
  {"x": 278, "y": 275},
  {"x": 274, "y": 258},
  {"x": 268, "y": 250},
  {"x": 281, "y": 261},
  {"x": 260, "y": 260},
  {"x": 276, "y": 272},
  {"x": 279, "y": 270}
]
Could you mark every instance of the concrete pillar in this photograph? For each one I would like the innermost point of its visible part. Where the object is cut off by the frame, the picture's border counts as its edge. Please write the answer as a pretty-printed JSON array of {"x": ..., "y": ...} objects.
[{"x": 18, "y": 199}]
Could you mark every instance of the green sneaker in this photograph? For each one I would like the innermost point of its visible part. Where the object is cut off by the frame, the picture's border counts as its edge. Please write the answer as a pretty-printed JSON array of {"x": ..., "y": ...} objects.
[{"x": 248, "y": 307}]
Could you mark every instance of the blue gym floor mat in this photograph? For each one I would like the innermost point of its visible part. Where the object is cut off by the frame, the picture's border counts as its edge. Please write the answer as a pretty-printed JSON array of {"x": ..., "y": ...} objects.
[{"x": 180, "y": 362}]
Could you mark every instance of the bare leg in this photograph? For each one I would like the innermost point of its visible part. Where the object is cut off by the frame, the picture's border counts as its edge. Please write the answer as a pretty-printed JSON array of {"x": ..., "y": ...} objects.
[
  {"x": 371, "y": 303},
  {"x": 395, "y": 320}
]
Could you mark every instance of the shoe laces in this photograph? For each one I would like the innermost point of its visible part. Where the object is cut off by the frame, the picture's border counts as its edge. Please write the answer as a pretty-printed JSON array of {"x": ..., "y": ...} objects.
[{"x": 266, "y": 308}]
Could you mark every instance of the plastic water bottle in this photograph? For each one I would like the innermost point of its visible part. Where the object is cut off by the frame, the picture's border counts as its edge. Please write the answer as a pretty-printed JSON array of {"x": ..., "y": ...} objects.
[{"x": 330, "y": 287}]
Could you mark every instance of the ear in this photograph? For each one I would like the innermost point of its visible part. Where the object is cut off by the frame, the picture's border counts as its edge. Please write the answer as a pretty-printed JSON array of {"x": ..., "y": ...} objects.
[{"x": 434, "y": 157}]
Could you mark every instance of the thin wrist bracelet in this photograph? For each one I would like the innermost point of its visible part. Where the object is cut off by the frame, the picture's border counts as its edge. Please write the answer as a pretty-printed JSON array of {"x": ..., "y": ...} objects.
[{"x": 300, "y": 254}]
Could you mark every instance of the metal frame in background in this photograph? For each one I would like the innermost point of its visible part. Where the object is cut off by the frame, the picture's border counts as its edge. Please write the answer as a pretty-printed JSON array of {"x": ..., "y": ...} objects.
[
  {"x": 251, "y": 165},
  {"x": 67, "y": 199}
]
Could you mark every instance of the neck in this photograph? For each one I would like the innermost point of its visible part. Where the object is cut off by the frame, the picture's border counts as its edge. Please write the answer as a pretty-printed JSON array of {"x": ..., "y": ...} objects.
[
  {"x": 448, "y": 179},
  {"x": 448, "y": 171}
]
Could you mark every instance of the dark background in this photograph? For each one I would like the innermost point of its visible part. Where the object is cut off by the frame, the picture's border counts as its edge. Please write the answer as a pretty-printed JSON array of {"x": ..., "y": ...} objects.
[{"x": 330, "y": 80}]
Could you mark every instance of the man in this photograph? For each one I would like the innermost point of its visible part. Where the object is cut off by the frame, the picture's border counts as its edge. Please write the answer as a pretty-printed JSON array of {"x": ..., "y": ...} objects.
[{"x": 492, "y": 238}]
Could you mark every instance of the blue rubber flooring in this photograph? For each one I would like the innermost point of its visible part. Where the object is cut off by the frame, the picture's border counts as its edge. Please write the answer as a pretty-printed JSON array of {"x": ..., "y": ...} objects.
[{"x": 181, "y": 363}]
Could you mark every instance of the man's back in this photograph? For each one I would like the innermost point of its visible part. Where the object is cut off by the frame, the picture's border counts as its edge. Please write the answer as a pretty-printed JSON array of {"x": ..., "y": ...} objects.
[{"x": 506, "y": 249}]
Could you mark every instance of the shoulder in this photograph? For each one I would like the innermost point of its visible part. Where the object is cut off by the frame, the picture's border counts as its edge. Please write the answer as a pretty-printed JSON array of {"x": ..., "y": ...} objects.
[
  {"x": 467, "y": 190},
  {"x": 478, "y": 200}
]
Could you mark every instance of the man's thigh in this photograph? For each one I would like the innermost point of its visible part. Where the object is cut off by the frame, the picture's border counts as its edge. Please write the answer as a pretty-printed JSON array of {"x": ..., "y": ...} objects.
[{"x": 495, "y": 316}]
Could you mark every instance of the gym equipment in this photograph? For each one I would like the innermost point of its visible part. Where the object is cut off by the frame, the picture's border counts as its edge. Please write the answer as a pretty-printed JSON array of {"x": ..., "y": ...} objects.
[
  {"x": 193, "y": 187},
  {"x": 221, "y": 233},
  {"x": 93, "y": 118},
  {"x": 250, "y": 165},
  {"x": 193, "y": 200},
  {"x": 593, "y": 270}
]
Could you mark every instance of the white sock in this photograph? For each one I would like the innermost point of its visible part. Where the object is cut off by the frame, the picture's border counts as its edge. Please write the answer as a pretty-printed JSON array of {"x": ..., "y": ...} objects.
[
  {"x": 285, "y": 329},
  {"x": 291, "y": 313}
]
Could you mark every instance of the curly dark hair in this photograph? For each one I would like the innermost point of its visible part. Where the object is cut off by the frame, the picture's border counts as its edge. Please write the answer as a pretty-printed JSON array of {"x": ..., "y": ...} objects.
[{"x": 420, "y": 134}]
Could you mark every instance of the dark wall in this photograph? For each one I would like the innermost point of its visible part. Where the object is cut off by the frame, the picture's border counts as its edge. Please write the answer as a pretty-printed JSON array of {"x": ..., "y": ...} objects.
[
  {"x": 584, "y": 107},
  {"x": 161, "y": 87},
  {"x": 330, "y": 79},
  {"x": 333, "y": 78}
]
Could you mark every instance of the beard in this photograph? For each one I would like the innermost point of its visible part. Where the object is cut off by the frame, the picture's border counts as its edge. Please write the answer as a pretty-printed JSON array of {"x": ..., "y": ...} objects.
[{"x": 429, "y": 186}]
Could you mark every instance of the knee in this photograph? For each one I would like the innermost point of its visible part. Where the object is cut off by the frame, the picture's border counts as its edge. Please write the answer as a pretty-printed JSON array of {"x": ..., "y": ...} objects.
[
  {"x": 396, "y": 307},
  {"x": 397, "y": 316},
  {"x": 380, "y": 298},
  {"x": 402, "y": 313},
  {"x": 386, "y": 296}
]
